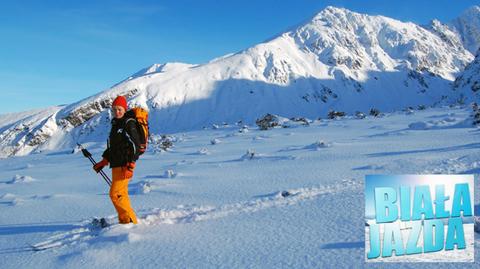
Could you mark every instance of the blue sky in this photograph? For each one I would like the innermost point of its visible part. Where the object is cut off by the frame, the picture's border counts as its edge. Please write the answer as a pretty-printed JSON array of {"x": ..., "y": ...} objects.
[{"x": 58, "y": 52}]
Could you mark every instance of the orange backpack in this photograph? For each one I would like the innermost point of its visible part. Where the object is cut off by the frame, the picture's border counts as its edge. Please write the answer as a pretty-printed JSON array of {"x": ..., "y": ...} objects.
[{"x": 141, "y": 119}]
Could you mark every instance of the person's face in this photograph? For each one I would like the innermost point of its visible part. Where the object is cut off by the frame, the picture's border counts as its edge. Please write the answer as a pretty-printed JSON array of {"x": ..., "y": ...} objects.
[{"x": 118, "y": 111}]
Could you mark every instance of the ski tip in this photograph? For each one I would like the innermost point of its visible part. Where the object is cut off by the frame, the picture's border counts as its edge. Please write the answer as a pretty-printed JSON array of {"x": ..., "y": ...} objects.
[{"x": 100, "y": 223}]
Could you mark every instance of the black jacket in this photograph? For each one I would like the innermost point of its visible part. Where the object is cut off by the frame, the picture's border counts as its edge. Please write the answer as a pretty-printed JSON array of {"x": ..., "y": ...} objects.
[{"x": 123, "y": 142}]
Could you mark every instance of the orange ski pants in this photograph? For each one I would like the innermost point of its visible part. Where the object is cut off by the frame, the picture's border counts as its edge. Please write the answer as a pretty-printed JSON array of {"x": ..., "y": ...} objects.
[{"x": 119, "y": 196}]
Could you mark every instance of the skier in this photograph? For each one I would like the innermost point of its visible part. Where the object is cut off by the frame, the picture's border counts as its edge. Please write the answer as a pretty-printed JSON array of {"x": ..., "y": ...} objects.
[{"x": 122, "y": 152}]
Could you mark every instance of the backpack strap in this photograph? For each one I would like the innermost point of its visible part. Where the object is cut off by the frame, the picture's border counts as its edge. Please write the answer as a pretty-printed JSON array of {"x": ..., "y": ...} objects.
[
  {"x": 129, "y": 139},
  {"x": 129, "y": 119}
]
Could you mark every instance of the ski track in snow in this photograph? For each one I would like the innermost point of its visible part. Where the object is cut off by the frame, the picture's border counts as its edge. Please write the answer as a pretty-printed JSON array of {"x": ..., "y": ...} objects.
[
  {"x": 373, "y": 151},
  {"x": 184, "y": 215}
]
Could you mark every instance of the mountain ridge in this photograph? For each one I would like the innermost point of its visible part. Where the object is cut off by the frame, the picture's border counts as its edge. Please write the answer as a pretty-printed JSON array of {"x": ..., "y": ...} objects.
[{"x": 338, "y": 60}]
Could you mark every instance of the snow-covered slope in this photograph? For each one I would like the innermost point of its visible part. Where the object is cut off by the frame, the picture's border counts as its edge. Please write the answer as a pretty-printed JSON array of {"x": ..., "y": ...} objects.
[
  {"x": 447, "y": 33},
  {"x": 468, "y": 83},
  {"x": 204, "y": 205},
  {"x": 338, "y": 60},
  {"x": 20, "y": 133},
  {"x": 158, "y": 68},
  {"x": 467, "y": 28}
]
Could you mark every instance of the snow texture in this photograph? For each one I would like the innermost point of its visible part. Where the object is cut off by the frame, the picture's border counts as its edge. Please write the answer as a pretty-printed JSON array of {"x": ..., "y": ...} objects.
[{"x": 294, "y": 204}]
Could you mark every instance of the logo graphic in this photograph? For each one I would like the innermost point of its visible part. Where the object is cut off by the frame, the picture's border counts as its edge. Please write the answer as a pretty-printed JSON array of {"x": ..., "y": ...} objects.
[{"x": 419, "y": 218}]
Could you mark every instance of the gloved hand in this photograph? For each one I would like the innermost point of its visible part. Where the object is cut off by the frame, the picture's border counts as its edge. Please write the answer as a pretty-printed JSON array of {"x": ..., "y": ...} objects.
[
  {"x": 129, "y": 169},
  {"x": 99, "y": 166}
]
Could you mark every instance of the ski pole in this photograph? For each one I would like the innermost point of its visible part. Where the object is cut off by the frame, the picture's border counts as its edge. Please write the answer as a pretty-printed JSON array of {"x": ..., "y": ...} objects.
[{"x": 88, "y": 155}]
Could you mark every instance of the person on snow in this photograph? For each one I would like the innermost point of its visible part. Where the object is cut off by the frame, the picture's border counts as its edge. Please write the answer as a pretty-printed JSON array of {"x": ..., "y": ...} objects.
[{"x": 122, "y": 152}]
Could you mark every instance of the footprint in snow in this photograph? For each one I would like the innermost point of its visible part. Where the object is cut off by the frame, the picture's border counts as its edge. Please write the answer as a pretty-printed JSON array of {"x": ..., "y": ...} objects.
[{"x": 86, "y": 233}]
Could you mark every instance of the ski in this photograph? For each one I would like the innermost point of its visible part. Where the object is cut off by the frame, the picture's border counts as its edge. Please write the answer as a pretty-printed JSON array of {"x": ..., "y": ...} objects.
[
  {"x": 85, "y": 232},
  {"x": 45, "y": 245},
  {"x": 100, "y": 223}
]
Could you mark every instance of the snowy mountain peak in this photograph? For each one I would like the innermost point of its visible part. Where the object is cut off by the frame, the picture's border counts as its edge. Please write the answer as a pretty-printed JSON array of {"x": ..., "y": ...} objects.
[
  {"x": 471, "y": 12},
  {"x": 331, "y": 14},
  {"x": 332, "y": 10},
  {"x": 446, "y": 33},
  {"x": 361, "y": 42},
  {"x": 467, "y": 25}
]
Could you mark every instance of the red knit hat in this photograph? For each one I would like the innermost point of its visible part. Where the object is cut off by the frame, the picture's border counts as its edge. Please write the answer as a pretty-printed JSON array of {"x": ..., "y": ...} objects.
[{"x": 120, "y": 101}]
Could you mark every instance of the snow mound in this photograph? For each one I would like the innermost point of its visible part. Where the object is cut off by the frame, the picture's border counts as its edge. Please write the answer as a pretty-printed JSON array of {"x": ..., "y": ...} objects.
[
  {"x": 419, "y": 125},
  {"x": 318, "y": 145},
  {"x": 215, "y": 141},
  {"x": 143, "y": 187},
  {"x": 14, "y": 199},
  {"x": 21, "y": 179},
  {"x": 203, "y": 151},
  {"x": 169, "y": 173}
]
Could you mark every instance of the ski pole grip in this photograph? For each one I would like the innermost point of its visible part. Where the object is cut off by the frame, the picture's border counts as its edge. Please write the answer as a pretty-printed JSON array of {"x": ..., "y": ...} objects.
[{"x": 86, "y": 153}]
